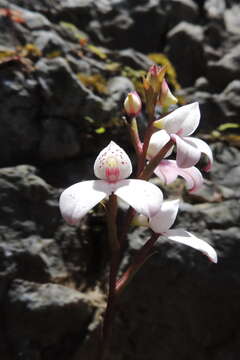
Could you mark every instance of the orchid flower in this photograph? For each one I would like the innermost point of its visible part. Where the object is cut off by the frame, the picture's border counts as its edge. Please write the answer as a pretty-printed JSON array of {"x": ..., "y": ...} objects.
[
  {"x": 112, "y": 166},
  {"x": 168, "y": 171},
  {"x": 178, "y": 125},
  {"x": 161, "y": 223}
]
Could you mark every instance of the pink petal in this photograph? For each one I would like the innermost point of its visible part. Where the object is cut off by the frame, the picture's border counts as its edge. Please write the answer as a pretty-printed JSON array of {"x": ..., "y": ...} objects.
[
  {"x": 187, "y": 154},
  {"x": 182, "y": 121},
  {"x": 157, "y": 142},
  {"x": 186, "y": 238},
  {"x": 165, "y": 217},
  {"x": 79, "y": 198},
  {"x": 203, "y": 148},
  {"x": 143, "y": 196},
  {"x": 112, "y": 164},
  {"x": 168, "y": 171}
]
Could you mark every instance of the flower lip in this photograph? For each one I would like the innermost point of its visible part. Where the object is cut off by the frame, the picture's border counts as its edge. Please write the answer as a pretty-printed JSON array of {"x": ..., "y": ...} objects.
[{"x": 112, "y": 164}]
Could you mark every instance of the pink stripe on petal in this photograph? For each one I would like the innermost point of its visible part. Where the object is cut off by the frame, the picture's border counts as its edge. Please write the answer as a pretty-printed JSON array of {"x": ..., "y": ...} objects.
[
  {"x": 192, "y": 176},
  {"x": 168, "y": 171},
  {"x": 187, "y": 154}
]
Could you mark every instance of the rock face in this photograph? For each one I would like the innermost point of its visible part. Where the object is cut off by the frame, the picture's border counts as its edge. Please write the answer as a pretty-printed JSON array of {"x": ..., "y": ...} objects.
[{"x": 65, "y": 68}]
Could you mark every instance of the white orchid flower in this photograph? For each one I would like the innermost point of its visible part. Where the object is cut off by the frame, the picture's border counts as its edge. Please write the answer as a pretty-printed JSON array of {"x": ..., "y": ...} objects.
[
  {"x": 178, "y": 125},
  {"x": 161, "y": 223},
  {"x": 168, "y": 171},
  {"x": 112, "y": 166}
]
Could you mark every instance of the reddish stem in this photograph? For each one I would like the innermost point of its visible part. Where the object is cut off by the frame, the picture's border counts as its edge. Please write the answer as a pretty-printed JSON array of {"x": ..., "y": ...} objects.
[{"x": 140, "y": 258}]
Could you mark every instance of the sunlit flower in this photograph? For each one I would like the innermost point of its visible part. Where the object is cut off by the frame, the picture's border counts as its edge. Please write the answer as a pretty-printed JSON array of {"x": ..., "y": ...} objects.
[
  {"x": 178, "y": 125},
  {"x": 161, "y": 223},
  {"x": 132, "y": 104},
  {"x": 112, "y": 166}
]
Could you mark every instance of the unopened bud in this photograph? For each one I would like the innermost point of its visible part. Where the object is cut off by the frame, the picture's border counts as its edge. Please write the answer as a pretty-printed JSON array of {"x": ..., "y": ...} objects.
[
  {"x": 132, "y": 104},
  {"x": 166, "y": 97},
  {"x": 155, "y": 78}
]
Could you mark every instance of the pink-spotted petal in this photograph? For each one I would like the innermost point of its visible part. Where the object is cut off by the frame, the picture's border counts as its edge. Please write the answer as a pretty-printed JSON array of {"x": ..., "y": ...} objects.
[
  {"x": 144, "y": 197},
  {"x": 203, "y": 148},
  {"x": 168, "y": 171},
  {"x": 112, "y": 164},
  {"x": 165, "y": 217},
  {"x": 79, "y": 198},
  {"x": 157, "y": 142},
  {"x": 182, "y": 121},
  {"x": 186, "y": 238},
  {"x": 187, "y": 154}
]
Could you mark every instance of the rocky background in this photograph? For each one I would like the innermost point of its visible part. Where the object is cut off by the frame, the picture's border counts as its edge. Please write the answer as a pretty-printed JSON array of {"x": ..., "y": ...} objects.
[{"x": 65, "y": 68}]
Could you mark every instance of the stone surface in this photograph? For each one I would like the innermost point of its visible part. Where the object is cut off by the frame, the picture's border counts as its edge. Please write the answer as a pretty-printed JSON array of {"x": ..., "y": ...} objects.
[
  {"x": 62, "y": 82},
  {"x": 192, "y": 52}
]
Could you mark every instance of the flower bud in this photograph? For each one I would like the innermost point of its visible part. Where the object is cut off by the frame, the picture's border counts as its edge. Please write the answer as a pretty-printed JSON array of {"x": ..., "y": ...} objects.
[
  {"x": 166, "y": 97},
  {"x": 132, "y": 104},
  {"x": 154, "y": 78}
]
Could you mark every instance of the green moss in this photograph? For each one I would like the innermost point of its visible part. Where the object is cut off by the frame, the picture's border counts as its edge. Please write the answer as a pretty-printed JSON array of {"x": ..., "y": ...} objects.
[
  {"x": 78, "y": 34},
  {"x": 95, "y": 82}
]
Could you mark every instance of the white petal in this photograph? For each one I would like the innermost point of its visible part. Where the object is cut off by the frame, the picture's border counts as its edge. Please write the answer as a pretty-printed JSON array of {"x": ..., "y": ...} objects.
[
  {"x": 187, "y": 154},
  {"x": 186, "y": 238},
  {"x": 143, "y": 196},
  {"x": 79, "y": 198},
  {"x": 168, "y": 171},
  {"x": 182, "y": 121},
  {"x": 157, "y": 142},
  {"x": 165, "y": 217},
  {"x": 112, "y": 164},
  {"x": 203, "y": 148}
]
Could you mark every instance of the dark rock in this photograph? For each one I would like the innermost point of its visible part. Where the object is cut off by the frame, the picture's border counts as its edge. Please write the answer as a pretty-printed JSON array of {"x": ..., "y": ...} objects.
[
  {"x": 50, "y": 42},
  {"x": 193, "y": 65},
  {"x": 182, "y": 10},
  {"x": 59, "y": 140},
  {"x": 230, "y": 100},
  {"x": 20, "y": 128},
  {"x": 44, "y": 314},
  {"x": 225, "y": 70}
]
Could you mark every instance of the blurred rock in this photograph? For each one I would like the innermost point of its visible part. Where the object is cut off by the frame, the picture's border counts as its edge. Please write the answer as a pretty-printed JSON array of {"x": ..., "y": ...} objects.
[
  {"x": 225, "y": 70},
  {"x": 192, "y": 52}
]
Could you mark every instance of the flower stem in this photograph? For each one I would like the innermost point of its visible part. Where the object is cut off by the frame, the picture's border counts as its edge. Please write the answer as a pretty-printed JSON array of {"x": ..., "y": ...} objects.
[
  {"x": 141, "y": 257},
  {"x": 114, "y": 264},
  {"x": 153, "y": 163},
  {"x": 147, "y": 137}
]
